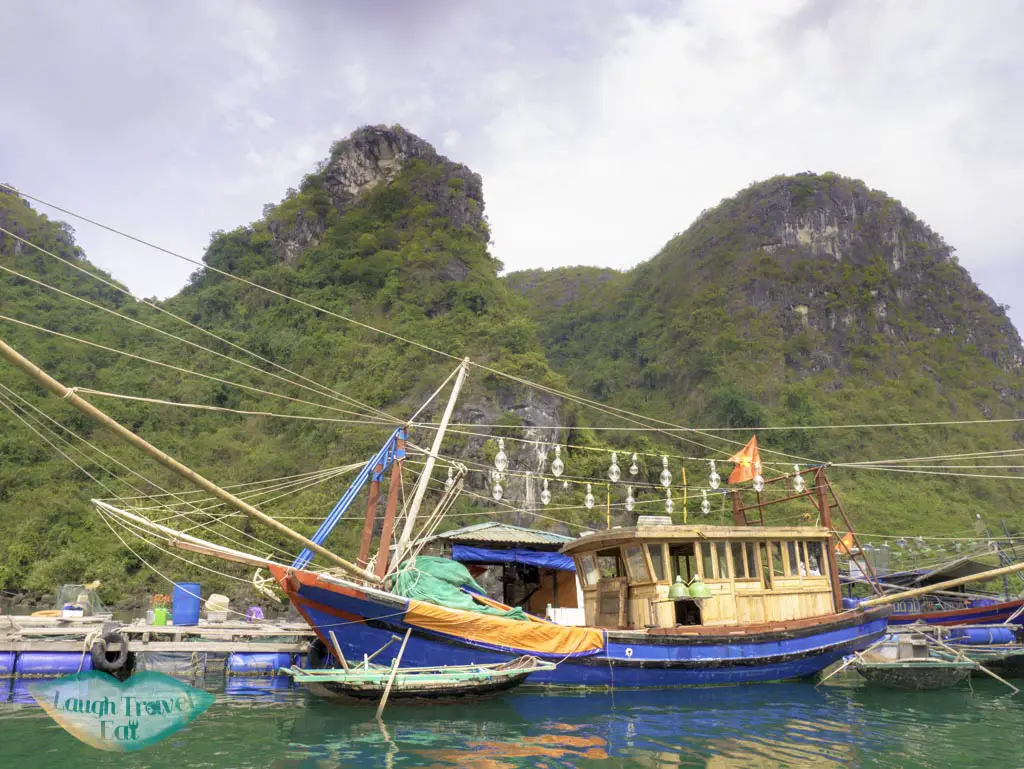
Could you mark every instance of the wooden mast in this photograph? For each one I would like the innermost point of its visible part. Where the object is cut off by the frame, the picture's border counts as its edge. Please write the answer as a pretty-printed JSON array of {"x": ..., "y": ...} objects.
[
  {"x": 825, "y": 511},
  {"x": 69, "y": 395},
  {"x": 421, "y": 488}
]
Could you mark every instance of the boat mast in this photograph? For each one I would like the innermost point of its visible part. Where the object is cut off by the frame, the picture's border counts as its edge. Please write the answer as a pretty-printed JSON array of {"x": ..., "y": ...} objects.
[
  {"x": 421, "y": 488},
  {"x": 70, "y": 396}
]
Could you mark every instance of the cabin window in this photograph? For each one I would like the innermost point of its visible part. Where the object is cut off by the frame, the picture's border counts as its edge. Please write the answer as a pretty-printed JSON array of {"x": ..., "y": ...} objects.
[
  {"x": 588, "y": 568},
  {"x": 683, "y": 561},
  {"x": 706, "y": 560},
  {"x": 744, "y": 559},
  {"x": 766, "y": 567},
  {"x": 657, "y": 561},
  {"x": 795, "y": 559},
  {"x": 609, "y": 564},
  {"x": 778, "y": 566},
  {"x": 723, "y": 562},
  {"x": 636, "y": 563},
  {"x": 815, "y": 559}
]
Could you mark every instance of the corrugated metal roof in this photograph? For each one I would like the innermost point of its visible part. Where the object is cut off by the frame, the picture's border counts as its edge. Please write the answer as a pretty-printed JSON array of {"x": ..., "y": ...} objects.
[{"x": 503, "y": 533}]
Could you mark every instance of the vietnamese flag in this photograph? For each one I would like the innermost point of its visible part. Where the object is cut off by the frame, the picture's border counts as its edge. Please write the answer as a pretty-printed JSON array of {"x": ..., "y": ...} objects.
[{"x": 748, "y": 462}]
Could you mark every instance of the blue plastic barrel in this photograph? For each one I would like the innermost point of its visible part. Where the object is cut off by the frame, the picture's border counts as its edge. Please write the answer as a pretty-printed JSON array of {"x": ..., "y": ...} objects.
[
  {"x": 982, "y": 635},
  {"x": 7, "y": 664},
  {"x": 51, "y": 663},
  {"x": 257, "y": 664},
  {"x": 851, "y": 603},
  {"x": 186, "y": 603}
]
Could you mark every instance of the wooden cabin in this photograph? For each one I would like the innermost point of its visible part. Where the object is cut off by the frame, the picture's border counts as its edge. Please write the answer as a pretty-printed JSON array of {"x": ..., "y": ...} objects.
[{"x": 754, "y": 575}]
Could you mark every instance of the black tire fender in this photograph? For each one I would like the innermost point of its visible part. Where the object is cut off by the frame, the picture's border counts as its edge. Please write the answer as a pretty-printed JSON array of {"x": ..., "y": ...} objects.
[{"x": 101, "y": 658}]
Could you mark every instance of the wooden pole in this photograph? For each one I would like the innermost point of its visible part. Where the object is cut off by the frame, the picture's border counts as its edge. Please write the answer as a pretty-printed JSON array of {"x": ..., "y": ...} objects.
[
  {"x": 337, "y": 650},
  {"x": 980, "y": 577},
  {"x": 67, "y": 394},
  {"x": 186, "y": 541},
  {"x": 824, "y": 510},
  {"x": 395, "y": 486},
  {"x": 856, "y": 656},
  {"x": 739, "y": 515},
  {"x": 421, "y": 488},
  {"x": 981, "y": 667},
  {"x": 371, "y": 516},
  {"x": 394, "y": 672},
  {"x": 869, "y": 569}
]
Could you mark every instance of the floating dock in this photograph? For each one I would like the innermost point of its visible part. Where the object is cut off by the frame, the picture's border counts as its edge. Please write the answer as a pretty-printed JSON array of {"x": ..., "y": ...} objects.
[{"x": 52, "y": 646}]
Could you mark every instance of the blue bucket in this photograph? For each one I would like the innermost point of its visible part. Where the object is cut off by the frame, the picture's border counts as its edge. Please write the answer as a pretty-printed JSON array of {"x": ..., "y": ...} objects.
[{"x": 186, "y": 603}]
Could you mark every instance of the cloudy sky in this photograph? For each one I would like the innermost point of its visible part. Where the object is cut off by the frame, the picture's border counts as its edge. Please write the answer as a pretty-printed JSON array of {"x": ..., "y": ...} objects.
[{"x": 600, "y": 127}]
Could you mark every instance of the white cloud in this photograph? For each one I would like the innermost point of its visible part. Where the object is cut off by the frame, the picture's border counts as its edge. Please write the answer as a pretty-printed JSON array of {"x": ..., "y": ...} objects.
[
  {"x": 451, "y": 139},
  {"x": 690, "y": 109},
  {"x": 600, "y": 127}
]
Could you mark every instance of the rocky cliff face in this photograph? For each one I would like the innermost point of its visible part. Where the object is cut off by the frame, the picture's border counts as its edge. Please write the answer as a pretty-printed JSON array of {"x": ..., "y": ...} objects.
[
  {"x": 805, "y": 289},
  {"x": 837, "y": 264},
  {"x": 372, "y": 157},
  {"x": 909, "y": 279}
]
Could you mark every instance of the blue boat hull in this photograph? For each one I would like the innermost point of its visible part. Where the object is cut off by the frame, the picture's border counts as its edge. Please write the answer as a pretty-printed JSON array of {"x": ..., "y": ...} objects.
[
  {"x": 991, "y": 614},
  {"x": 364, "y": 620}
]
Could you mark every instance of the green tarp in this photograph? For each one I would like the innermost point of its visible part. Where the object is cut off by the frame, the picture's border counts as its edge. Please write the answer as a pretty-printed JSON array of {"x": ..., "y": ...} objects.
[{"x": 440, "y": 581}]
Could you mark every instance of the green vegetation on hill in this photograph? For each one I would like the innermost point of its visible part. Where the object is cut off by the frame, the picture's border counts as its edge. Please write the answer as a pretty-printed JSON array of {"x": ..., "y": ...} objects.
[
  {"x": 802, "y": 301},
  {"x": 388, "y": 258},
  {"x": 806, "y": 300}
]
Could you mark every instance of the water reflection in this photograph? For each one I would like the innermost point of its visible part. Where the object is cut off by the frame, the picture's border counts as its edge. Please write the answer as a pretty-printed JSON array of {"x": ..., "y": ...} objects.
[{"x": 266, "y": 722}]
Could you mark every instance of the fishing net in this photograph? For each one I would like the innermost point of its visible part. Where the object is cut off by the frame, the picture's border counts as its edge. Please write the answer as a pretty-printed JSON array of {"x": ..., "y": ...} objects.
[
  {"x": 83, "y": 597},
  {"x": 440, "y": 581}
]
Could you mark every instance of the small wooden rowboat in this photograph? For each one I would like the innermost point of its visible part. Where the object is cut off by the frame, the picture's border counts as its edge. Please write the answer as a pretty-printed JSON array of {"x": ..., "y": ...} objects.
[
  {"x": 916, "y": 674},
  {"x": 368, "y": 682},
  {"x": 1006, "y": 660}
]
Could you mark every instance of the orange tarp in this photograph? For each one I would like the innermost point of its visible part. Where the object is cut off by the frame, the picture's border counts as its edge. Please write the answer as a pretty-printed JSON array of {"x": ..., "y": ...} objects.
[{"x": 532, "y": 637}]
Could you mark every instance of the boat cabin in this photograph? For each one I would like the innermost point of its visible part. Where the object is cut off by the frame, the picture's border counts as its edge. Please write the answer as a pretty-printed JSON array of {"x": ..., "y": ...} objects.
[{"x": 664, "y": 576}]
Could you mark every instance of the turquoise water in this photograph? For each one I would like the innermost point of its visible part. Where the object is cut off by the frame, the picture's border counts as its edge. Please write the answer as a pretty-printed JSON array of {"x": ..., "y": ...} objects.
[{"x": 270, "y": 724}]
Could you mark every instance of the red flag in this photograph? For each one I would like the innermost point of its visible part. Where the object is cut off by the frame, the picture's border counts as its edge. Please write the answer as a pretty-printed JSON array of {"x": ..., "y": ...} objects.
[{"x": 748, "y": 462}]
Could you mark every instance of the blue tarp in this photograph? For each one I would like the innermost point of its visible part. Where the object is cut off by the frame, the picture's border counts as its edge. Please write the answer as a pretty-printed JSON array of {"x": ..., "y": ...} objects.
[{"x": 467, "y": 554}]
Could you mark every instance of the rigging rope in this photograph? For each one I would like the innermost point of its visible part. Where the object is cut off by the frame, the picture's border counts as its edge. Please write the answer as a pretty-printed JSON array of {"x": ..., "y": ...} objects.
[
  {"x": 327, "y": 390},
  {"x": 243, "y": 412},
  {"x": 175, "y": 368},
  {"x": 598, "y": 428},
  {"x": 623, "y": 414},
  {"x": 168, "y": 334}
]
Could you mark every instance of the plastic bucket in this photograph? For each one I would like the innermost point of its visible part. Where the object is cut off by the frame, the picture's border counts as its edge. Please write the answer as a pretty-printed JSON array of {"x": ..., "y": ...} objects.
[{"x": 186, "y": 603}]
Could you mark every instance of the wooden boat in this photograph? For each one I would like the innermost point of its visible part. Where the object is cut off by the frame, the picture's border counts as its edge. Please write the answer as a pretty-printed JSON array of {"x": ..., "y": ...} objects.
[
  {"x": 980, "y": 613},
  {"x": 769, "y": 614},
  {"x": 1006, "y": 660},
  {"x": 916, "y": 674},
  {"x": 770, "y": 606},
  {"x": 444, "y": 682}
]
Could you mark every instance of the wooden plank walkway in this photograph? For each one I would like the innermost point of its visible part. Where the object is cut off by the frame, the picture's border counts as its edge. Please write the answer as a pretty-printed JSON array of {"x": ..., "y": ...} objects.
[{"x": 54, "y": 634}]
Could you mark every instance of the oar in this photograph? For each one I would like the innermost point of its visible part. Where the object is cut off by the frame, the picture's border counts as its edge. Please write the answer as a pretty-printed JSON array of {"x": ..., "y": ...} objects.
[
  {"x": 856, "y": 656},
  {"x": 337, "y": 650},
  {"x": 394, "y": 672}
]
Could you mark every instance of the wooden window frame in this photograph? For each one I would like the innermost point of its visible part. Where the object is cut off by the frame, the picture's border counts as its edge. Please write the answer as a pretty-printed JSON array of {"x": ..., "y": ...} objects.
[
  {"x": 634, "y": 580},
  {"x": 665, "y": 568}
]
